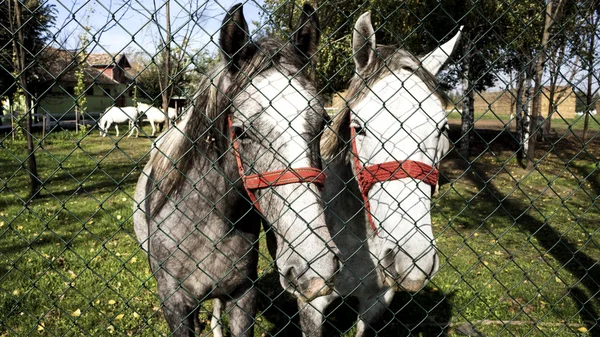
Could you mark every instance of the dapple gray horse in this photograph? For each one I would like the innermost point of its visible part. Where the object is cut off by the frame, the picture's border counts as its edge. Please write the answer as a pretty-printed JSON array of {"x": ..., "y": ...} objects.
[
  {"x": 381, "y": 156},
  {"x": 251, "y": 143}
]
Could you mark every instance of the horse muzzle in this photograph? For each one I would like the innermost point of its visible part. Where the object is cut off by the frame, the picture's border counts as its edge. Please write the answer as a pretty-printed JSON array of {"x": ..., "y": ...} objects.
[
  {"x": 406, "y": 274},
  {"x": 313, "y": 288}
]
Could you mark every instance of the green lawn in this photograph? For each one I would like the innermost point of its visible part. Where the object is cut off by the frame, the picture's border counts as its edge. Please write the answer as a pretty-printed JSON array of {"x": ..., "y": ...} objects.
[
  {"x": 558, "y": 123},
  {"x": 520, "y": 250}
]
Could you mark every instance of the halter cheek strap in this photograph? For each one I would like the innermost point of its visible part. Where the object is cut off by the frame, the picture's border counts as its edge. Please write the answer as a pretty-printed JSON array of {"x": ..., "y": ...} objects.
[
  {"x": 393, "y": 170},
  {"x": 253, "y": 182}
]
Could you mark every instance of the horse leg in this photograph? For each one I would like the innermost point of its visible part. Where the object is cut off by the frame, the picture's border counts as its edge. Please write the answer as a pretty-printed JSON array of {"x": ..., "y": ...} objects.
[
  {"x": 108, "y": 124},
  {"x": 132, "y": 127},
  {"x": 136, "y": 128},
  {"x": 242, "y": 311},
  {"x": 215, "y": 322},
  {"x": 153, "y": 128},
  {"x": 179, "y": 312},
  {"x": 312, "y": 315},
  {"x": 117, "y": 128},
  {"x": 371, "y": 309}
]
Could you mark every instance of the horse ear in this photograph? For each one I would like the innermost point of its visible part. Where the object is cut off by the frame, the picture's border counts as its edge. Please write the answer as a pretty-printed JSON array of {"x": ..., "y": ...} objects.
[
  {"x": 234, "y": 35},
  {"x": 363, "y": 42},
  {"x": 434, "y": 61},
  {"x": 307, "y": 33}
]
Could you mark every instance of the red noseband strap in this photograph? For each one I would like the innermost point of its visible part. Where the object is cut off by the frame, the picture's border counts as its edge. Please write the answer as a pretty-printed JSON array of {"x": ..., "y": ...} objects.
[
  {"x": 259, "y": 181},
  {"x": 393, "y": 170}
]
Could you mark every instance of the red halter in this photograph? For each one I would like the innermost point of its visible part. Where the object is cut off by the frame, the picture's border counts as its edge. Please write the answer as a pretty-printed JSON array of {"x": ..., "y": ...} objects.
[
  {"x": 274, "y": 178},
  {"x": 392, "y": 170}
]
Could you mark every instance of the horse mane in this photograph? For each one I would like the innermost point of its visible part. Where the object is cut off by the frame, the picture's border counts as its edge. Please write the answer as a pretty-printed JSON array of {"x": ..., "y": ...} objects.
[
  {"x": 388, "y": 60},
  {"x": 202, "y": 136}
]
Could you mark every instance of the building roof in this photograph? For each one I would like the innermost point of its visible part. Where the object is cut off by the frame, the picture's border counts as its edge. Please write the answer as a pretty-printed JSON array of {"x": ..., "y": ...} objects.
[
  {"x": 61, "y": 64},
  {"x": 107, "y": 60}
]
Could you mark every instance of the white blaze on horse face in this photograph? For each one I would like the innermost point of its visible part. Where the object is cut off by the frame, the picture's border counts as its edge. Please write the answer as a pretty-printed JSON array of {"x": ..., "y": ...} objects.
[
  {"x": 283, "y": 107},
  {"x": 278, "y": 109},
  {"x": 401, "y": 118}
]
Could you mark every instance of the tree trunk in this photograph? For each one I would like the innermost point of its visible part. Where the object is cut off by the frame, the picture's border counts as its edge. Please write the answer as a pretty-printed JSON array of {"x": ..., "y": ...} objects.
[
  {"x": 467, "y": 117},
  {"x": 589, "y": 95},
  {"x": 539, "y": 71},
  {"x": 34, "y": 180},
  {"x": 526, "y": 115},
  {"x": 12, "y": 117},
  {"x": 552, "y": 103},
  {"x": 519, "y": 113},
  {"x": 166, "y": 90}
]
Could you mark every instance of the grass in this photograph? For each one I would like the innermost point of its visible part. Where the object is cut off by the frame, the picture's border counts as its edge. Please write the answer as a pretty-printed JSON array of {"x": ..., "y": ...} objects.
[
  {"x": 558, "y": 123},
  {"x": 520, "y": 250}
]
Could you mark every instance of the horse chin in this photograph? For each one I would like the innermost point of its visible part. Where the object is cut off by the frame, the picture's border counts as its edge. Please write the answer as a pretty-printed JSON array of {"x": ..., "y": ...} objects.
[
  {"x": 403, "y": 283},
  {"x": 315, "y": 288}
]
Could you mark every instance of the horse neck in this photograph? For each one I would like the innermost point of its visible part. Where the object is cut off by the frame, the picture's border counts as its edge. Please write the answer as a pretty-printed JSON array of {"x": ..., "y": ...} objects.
[{"x": 345, "y": 212}]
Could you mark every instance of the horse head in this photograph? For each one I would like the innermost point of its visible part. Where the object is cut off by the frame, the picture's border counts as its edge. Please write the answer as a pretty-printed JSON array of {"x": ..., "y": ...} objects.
[{"x": 398, "y": 134}]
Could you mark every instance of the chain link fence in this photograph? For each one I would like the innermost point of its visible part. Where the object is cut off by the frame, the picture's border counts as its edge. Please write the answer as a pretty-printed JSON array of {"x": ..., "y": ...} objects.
[{"x": 413, "y": 168}]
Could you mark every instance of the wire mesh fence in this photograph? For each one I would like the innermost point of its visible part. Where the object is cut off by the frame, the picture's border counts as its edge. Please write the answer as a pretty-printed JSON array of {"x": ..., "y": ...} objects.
[{"x": 414, "y": 168}]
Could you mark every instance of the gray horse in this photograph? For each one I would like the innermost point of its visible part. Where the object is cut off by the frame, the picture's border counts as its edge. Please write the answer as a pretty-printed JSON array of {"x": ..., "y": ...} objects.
[
  {"x": 381, "y": 154},
  {"x": 195, "y": 211}
]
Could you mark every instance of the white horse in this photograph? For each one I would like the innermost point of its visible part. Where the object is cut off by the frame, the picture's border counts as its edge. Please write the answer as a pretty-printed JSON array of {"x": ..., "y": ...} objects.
[
  {"x": 155, "y": 115},
  {"x": 119, "y": 115},
  {"x": 390, "y": 138}
]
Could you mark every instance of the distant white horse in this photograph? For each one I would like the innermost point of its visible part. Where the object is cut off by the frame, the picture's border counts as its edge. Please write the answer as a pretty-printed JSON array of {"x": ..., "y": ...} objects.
[
  {"x": 155, "y": 115},
  {"x": 119, "y": 115}
]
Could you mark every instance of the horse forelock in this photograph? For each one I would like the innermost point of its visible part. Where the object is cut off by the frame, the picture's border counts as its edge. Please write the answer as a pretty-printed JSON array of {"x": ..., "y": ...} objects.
[
  {"x": 388, "y": 60},
  {"x": 202, "y": 135}
]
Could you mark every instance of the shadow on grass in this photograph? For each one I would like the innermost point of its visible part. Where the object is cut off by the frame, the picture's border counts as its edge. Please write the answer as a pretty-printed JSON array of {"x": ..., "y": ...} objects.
[
  {"x": 569, "y": 256},
  {"x": 425, "y": 313},
  {"x": 503, "y": 146}
]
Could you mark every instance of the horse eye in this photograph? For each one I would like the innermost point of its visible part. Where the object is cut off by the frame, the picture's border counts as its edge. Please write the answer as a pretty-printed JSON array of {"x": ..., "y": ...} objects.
[
  {"x": 359, "y": 130},
  {"x": 238, "y": 132}
]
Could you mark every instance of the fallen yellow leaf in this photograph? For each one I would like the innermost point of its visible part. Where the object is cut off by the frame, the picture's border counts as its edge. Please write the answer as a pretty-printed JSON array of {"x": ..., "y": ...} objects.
[
  {"x": 112, "y": 302},
  {"x": 119, "y": 317},
  {"x": 76, "y": 313},
  {"x": 582, "y": 329}
]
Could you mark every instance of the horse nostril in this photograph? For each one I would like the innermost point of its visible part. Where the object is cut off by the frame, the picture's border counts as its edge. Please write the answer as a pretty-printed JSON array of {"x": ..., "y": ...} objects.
[
  {"x": 436, "y": 264},
  {"x": 290, "y": 275},
  {"x": 337, "y": 263}
]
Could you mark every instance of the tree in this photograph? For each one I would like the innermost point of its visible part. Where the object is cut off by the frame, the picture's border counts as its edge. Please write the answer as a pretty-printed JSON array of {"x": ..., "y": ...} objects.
[
  {"x": 592, "y": 22},
  {"x": 28, "y": 23},
  {"x": 550, "y": 16},
  {"x": 415, "y": 25},
  {"x": 171, "y": 59},
  {"x": 81, "y": 87}
]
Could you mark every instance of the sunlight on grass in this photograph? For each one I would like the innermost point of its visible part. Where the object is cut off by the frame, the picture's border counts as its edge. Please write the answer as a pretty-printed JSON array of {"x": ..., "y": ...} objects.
[{"x": 519, "y": 250}]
